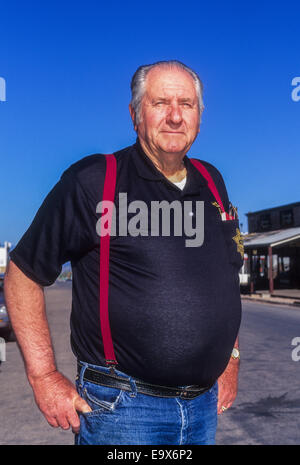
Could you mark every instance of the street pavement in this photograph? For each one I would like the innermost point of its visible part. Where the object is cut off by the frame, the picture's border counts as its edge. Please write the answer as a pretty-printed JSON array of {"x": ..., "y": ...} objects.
[{"x": 267, "y": 408}]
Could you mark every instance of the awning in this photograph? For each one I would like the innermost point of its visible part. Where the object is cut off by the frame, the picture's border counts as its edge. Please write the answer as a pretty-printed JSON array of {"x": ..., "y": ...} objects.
[{"x": 290, "y": 236}]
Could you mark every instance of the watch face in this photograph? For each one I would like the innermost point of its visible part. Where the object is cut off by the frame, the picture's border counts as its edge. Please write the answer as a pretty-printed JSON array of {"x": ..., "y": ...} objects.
[{"x": 235, "y": 353}]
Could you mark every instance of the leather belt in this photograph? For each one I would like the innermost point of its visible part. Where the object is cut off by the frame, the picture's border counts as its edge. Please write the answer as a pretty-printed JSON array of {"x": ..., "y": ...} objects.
[{"x": 115, "y": 381}]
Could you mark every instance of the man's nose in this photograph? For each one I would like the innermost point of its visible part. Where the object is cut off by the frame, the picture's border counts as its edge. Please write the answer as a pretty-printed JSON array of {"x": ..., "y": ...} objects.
[{"x": 174, "y": 114}]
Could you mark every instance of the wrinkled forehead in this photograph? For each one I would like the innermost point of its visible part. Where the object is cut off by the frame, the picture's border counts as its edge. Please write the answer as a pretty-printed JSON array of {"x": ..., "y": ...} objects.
[{"x": 169, "y": 81}]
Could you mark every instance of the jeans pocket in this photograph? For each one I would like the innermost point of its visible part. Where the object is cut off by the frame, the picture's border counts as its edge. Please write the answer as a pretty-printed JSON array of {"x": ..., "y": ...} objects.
[
  {"x": 101, "y": 399},
  {"x": 234, "y": 242}
]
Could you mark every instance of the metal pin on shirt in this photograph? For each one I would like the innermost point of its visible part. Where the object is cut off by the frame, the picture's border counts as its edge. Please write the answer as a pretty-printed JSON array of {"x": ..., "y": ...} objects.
[{"x": 232, "y": 211}]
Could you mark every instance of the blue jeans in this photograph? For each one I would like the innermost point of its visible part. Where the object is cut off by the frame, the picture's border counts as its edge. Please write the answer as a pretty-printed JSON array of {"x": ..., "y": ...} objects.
[{"x": 124, "y": 417}]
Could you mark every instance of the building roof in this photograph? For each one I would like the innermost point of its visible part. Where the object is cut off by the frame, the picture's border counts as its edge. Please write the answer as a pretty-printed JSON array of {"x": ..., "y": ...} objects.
[
  {"x": 272, "y": 238},
  {"x": 289, "y": 205}
]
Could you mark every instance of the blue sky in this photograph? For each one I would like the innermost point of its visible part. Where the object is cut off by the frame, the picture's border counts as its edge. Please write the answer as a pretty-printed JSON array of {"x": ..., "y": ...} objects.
[{"x": 68, "y": 66}]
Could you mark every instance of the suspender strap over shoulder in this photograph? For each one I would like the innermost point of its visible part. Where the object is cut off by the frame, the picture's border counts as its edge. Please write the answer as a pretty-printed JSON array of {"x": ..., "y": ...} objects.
[
  {"x": 108, "y": 195},
  {"x": 211, "y": 185}
]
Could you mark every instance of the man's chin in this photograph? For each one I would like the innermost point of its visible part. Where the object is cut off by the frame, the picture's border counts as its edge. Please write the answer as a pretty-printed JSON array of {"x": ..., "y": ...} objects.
[{"x": 174, "y": 148}]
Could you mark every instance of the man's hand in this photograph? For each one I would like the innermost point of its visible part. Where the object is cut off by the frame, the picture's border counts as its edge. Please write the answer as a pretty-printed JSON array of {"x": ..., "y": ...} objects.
[
  {"x": 58, "y": 400},
  {"x": 55, "y": 395},
  {"x": 228, "y": 385}
]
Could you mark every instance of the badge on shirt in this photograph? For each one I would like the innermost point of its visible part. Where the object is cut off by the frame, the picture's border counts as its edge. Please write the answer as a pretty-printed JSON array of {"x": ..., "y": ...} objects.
[
  {"x": 238, "y": 239},
  {"x": 215, "y": 204}
]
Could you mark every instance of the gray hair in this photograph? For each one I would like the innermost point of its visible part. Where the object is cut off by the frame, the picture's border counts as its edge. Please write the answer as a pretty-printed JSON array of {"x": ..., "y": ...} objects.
[{"x": 138, "y": 84}]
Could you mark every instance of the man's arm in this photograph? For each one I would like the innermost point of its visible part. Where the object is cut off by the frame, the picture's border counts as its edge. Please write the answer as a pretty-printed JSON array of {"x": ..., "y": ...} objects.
[
  {"x": 228, "y": 383},
  {"x": 54, "y": 394}
]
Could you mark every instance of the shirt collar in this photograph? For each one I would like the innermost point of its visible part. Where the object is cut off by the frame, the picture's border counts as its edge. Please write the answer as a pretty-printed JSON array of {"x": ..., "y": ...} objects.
[{"x": 147, "y": 170}]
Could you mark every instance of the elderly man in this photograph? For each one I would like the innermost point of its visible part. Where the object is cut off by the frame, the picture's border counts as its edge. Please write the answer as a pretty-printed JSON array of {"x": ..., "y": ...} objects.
[{"x": 154, "y": 320}]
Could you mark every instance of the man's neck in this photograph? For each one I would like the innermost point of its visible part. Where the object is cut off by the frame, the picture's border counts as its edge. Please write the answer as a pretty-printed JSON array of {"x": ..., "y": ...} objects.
[{"x": 169, "y": 164}]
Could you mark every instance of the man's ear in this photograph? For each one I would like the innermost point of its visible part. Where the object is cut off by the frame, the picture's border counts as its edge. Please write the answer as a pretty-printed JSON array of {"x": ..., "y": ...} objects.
[{"x": 133, "y": 116}]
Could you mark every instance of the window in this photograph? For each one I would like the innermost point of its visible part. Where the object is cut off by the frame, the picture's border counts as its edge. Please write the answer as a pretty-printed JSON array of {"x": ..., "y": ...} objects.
[
  {"x": 286, "y": 218},
  {"x": 264, "y": 222}
]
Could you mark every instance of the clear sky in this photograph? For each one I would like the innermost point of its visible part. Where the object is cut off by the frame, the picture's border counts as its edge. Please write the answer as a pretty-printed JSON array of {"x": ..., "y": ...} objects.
[{"x": 68, "y": 66}]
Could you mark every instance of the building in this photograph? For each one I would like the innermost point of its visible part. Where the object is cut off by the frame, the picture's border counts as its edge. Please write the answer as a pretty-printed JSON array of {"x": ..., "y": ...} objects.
[
  {"x": 4, "y": 250},
  {"x": 273, "y": 219},
  {"x": 272, "y": 248}
]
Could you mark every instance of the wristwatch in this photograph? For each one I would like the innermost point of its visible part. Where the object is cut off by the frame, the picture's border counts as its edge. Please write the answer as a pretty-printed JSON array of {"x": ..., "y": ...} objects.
[{"x": 235, "y": 353}]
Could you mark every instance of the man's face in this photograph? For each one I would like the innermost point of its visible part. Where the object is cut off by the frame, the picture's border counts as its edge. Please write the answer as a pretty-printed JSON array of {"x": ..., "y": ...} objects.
[{"x": 169, "y": 120}]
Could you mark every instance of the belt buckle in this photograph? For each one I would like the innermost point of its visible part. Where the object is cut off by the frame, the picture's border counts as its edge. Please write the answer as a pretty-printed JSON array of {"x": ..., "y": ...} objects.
[{"x": 188, "y": 392}]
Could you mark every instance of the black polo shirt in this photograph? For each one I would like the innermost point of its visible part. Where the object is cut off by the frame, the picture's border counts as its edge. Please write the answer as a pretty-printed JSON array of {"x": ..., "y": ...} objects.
[{"x": 174, "y": 310}]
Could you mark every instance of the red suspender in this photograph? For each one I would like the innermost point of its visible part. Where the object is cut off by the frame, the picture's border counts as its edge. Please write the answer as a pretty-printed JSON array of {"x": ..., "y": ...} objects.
[
  {"x": 108, "y": 195},
  {"x": 211, "y": 185}
]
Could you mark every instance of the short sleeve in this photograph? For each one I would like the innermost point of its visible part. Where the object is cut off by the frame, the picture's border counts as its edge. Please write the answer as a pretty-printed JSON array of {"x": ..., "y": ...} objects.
[{"x": 60, "y": 232}]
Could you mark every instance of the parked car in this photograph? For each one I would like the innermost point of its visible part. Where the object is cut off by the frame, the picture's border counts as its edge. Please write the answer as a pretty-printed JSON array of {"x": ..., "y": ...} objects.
[{"x": 5, "y": 325}]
